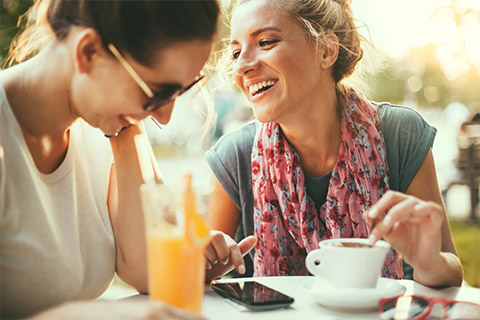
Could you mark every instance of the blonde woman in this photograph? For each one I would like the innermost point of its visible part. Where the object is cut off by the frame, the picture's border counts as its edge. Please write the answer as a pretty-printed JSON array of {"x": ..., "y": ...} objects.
[
  {"x": 69, "y": 200},
  {"x": 321, "y": 161}
]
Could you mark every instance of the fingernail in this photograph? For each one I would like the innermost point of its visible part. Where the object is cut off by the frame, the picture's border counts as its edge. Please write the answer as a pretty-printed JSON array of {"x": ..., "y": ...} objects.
[
  {"x": 215, "y": 262},
  {"x": 420, "y": 206},
  {"x": 241, "y": 269},
  {"x": 224, "y": 262},
  {"x": 209, "y": 266},
  {"x": 387, "y": 220},
  {"x": 372, "y": 213}
]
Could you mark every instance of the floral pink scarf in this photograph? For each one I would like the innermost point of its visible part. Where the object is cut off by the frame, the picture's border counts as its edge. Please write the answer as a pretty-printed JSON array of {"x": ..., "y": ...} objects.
[{"x": 286, "y": 222}]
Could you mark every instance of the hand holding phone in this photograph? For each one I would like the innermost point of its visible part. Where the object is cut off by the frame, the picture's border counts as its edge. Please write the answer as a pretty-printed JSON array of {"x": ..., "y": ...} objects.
[{"x": 253, "y": 295}]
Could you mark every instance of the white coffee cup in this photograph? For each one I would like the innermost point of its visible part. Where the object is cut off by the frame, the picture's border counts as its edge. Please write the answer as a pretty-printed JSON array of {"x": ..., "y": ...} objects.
[{"x": 348, "y": 262}]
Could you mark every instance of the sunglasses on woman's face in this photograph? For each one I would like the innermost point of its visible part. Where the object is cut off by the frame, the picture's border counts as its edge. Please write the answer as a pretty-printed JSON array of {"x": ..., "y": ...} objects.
[
  {"x": 157, "y": 99},
  {"x": 418, "y": 307}
]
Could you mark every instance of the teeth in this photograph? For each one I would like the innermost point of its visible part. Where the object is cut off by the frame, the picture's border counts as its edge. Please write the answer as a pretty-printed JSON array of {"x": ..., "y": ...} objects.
[{"x": 258, "y": 86}]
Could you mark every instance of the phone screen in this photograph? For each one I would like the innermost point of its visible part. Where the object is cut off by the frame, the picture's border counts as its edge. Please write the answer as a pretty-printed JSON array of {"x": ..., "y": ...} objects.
[{"x": 253, "y": 294}]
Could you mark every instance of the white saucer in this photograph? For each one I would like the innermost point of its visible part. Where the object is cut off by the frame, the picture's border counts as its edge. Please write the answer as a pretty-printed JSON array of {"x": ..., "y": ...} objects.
[{"x": 354, "y": 299}]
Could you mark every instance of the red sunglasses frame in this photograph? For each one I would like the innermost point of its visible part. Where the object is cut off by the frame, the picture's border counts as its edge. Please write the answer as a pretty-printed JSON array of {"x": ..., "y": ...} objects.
[{"x": 431, "y": 303}]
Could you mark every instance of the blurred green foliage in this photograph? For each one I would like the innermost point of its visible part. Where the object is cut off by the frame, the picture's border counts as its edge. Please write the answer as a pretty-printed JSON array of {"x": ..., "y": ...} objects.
[
  {"x": 10, "y": 10},
  {"x": 435, "y": 89},
  {"x": 466, "y": 235},
  {"x": 438, "y": 74}
]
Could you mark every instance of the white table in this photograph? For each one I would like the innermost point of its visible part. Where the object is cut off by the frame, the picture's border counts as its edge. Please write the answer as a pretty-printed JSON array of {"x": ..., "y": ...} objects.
[{"x": 304, "y": 307}]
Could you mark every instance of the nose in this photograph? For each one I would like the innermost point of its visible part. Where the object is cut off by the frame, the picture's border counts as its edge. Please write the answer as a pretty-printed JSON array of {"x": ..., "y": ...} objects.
[
  {"x": 247, "y": 61},
  {"x": 164, "y": 113}
]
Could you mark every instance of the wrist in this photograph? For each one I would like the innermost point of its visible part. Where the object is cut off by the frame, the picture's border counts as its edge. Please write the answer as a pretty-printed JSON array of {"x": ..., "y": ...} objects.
[{"x": 443, "y": 270}]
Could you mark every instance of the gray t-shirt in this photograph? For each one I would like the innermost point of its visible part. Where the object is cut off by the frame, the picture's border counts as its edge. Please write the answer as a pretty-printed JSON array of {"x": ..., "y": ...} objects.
[{"x": 408, "y": 139}]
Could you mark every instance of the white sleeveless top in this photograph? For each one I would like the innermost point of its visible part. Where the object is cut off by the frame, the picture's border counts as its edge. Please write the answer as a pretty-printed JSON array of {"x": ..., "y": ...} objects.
[{"x": 56, "y": 239}]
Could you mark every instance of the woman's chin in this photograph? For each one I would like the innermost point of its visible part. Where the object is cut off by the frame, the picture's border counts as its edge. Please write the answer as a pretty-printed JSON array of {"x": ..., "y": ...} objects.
[
  {"x": 263, "y": 117},
  {"x": 111, "y": 132}
]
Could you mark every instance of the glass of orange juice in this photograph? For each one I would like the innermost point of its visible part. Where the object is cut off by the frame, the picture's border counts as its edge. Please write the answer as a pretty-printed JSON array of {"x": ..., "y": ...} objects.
[{"x": 176, "y": 238}]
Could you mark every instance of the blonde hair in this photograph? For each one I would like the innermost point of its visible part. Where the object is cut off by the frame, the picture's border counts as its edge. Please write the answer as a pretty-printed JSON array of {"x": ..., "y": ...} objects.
[
  {"x": 320, "y": 17},
  {"x": 35, "y": 35}
]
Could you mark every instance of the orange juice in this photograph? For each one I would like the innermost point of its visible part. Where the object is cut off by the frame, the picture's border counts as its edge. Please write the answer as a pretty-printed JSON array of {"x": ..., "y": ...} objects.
[
  {"x": 176, "y": 271},
  {"x": 175, "y": 250}
]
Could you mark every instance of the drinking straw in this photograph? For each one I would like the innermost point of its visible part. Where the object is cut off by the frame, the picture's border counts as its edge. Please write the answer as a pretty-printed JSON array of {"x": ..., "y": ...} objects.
[{"x": 144, "y": 158}]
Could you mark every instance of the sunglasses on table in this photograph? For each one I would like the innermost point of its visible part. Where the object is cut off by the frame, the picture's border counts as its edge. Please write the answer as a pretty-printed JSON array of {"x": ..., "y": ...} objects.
[
  {"x": 418, "y": 307},
  {"x": 157, "y": 99}
]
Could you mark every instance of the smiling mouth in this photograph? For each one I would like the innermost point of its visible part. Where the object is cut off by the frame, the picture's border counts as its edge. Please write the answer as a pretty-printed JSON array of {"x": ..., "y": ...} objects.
[{"x": 261, "y": 87}]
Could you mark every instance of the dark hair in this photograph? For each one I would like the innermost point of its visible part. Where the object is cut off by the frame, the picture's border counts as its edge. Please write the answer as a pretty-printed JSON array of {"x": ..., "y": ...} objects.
[{"x": 138, "y": 28}]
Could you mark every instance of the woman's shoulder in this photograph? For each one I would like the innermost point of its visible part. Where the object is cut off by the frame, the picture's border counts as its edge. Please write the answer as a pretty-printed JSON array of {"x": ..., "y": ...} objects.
[
  {"x": 238, "y": 140},
  {"x": 396, "y": 115},
  {"x": 400, "y": 121},
  {"x": 408, "y": 139}
]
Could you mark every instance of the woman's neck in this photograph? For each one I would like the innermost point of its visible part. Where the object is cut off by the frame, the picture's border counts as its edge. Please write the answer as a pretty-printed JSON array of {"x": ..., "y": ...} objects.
[
  {"x": 38, "y": 92},
  {"x": 316, "y": 137}
]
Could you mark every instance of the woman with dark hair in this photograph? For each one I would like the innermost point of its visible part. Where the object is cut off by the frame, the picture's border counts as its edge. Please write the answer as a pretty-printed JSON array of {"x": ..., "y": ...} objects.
[
  {"x": 321, "y": 161},
  {"x": 69, "y": 197}
]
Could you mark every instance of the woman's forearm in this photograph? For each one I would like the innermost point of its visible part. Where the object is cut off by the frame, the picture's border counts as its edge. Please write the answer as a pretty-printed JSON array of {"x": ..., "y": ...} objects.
[
  {"x": 126, "y": 211},
  {"x": 446, "y": 270}
]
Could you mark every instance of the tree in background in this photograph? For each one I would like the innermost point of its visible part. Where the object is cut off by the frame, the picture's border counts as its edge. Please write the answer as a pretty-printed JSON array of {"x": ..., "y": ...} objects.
[{"x": 441, "y": 72}]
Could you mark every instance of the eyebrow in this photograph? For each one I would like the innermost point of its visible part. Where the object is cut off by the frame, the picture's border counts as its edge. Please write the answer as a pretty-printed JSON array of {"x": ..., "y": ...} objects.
[{"x": 257, "y": 32}]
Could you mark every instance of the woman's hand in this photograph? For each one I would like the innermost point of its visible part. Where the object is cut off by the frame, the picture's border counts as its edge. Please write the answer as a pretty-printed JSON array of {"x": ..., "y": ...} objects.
[
  {"x": 414, "y": 228},
  {"x": 411, "y": 226},
  {"x": 223, "y": 254},
  {"x": 115, "y": 310}
]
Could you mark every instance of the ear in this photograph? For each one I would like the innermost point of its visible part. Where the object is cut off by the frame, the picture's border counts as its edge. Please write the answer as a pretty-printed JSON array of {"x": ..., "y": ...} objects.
[
  {"x": 329, "y": 52},
  {"x": 88, "y": 47}
]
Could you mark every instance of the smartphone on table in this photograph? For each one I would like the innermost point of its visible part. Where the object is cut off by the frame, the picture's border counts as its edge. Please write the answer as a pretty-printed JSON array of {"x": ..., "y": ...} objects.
[{"x": 252, "y": 295}]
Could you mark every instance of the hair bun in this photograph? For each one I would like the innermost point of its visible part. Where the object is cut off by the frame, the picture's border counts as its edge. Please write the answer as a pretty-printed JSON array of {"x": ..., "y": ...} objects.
[{"x": 344, "y": 3}]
